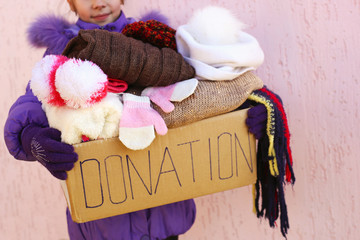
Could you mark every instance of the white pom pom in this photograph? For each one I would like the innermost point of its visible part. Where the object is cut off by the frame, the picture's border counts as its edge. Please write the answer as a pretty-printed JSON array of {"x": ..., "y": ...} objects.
[
  {"x": 215, "y": 26},
  {"x": 39, "y": 82},
  {"x": 80, "y": 83}
]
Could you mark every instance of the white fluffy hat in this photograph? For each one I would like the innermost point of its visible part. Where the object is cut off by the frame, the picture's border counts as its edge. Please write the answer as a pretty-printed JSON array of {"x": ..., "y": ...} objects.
[
  {"x": 61, "y": 81},
  {"x": 214, "y": 25},
  {"x": 214, "y": 43}
]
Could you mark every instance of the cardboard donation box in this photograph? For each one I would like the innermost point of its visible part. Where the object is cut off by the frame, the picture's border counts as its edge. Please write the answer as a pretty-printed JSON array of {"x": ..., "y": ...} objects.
[{"x": 208, "y": 156}]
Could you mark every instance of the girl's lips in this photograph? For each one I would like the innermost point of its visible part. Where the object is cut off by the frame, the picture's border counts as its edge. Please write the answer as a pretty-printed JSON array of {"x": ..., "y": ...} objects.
[{"x": 101, "y": 17}]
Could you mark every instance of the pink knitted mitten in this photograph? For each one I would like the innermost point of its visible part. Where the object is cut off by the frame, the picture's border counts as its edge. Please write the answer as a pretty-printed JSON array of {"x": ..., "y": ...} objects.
[
  {"x": 176, "y": 92},
  {"x": 138, "y": 121}
]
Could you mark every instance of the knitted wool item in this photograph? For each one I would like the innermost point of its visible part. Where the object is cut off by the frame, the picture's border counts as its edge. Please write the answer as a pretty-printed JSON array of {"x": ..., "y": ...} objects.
[
  {"x": 154, "y": 32},
  {"x": 62, "y": 81},
  {"x": 116, "y": 85},
  {"x": 213, "y": 42},
  {"x": 138, "y": 122},
  {"x": 220, "y": 62},
  {"x": 177, "y": 92},
  {"x": 211, "y": 98},
  {"x": 274, "y": 161},
  {"x": 214, "y": 25},
  {"x": 137, "y": 63}
]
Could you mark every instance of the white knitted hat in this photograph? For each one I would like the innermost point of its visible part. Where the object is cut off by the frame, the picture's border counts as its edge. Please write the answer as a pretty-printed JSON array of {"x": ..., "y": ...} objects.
[
  {"x": 224, "y": 58},
  {"x": 60, "y": 81}
]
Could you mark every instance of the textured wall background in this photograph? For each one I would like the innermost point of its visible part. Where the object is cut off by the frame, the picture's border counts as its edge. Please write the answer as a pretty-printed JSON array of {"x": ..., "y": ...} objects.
[{"x": 312, "y": 62}]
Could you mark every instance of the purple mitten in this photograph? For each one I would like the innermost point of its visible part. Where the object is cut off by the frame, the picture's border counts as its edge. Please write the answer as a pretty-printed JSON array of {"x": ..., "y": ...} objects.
[
  {"x": 256, "y": 120},
  {"x": 45, "y": 145}
]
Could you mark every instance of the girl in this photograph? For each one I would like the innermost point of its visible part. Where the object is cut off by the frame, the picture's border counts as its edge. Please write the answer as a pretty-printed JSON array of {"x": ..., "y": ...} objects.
[{"x": 28, "y": 136}]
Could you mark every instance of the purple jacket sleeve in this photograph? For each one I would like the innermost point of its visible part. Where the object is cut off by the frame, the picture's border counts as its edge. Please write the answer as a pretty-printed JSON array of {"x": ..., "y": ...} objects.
[{"x": 26, "y": 110}]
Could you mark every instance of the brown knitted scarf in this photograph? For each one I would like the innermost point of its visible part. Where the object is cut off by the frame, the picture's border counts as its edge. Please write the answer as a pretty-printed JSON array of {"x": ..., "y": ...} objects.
[{"x": 137, "y": 63}]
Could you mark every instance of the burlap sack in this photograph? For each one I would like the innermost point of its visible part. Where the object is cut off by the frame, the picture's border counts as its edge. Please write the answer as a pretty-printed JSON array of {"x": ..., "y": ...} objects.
[
  {"x": 121, "y": 57},
  {"x": 212, "y": 98}
]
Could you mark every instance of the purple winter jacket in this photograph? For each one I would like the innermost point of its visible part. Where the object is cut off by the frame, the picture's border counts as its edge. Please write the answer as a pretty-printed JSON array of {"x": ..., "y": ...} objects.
[{"x": 152, "y": 224}]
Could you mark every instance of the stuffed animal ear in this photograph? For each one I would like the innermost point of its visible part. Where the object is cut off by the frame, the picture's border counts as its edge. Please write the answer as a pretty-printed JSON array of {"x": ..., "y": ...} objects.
[
  {"x": 40, "y": 79},
  {"x": 80, "y": 83}
]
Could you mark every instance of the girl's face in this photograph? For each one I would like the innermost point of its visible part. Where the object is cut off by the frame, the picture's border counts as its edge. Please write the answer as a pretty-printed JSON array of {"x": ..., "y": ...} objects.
[{"x": 100, "y": 12}]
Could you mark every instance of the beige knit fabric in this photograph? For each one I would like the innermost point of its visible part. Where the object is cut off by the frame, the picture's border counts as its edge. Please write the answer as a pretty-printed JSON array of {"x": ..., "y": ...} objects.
[
  {"x": 121, "y": 57},
  {"x": 212, "y": 98}
]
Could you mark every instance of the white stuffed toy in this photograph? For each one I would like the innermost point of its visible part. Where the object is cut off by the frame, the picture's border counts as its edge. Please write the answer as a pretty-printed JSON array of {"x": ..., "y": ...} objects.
[{"x": 75, "y": 99}]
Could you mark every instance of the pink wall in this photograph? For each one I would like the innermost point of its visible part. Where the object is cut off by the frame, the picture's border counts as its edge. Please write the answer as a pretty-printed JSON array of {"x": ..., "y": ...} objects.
[{"x": 312, "y": 61}]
